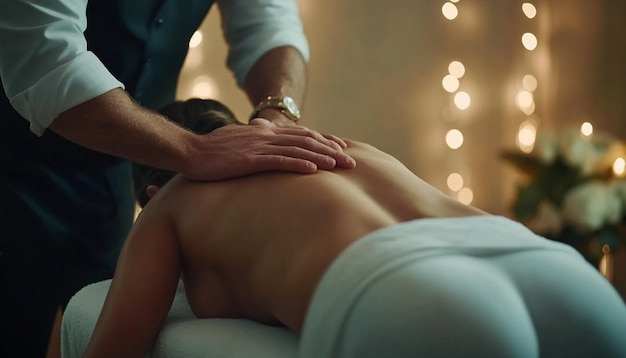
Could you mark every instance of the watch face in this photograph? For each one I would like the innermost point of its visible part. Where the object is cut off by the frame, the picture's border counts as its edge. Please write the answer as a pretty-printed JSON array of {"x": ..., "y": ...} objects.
[{"x": 291, "y": 106}]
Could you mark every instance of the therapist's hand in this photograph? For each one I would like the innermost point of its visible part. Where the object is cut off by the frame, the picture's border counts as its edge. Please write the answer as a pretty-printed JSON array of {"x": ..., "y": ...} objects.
[
  {"x": 237, "y": 150},
  {"x": 280, "y": 120}
]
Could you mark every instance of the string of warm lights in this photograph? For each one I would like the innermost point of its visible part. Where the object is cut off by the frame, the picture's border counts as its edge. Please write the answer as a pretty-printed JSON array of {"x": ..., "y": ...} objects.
[
  {"x": 451, "y": 83},
  {"x": 525, "y": 101},
  {"x": 525, "y": 98}
]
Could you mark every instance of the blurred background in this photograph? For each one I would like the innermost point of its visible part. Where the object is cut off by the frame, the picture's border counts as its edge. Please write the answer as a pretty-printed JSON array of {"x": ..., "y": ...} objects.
[{"x": 446, "y": 86}]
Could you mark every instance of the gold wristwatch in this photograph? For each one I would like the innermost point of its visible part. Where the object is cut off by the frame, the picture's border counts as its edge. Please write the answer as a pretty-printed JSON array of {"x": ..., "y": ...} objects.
[{"x": 285, "y": 104}]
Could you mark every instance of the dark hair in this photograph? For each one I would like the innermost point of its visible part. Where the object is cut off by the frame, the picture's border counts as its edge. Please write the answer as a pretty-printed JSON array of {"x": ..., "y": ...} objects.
[{"x": 200, "y": 116}]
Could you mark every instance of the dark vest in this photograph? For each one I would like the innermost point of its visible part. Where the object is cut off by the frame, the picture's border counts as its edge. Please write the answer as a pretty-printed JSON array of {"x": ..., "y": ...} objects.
[{"x": 144, "y": 42}]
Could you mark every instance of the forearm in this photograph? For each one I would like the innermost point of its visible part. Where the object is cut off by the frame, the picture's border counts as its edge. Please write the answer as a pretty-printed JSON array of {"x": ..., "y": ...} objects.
[
  {"x": 112, "y": 123},
  {"x": 281, "y": 71}
]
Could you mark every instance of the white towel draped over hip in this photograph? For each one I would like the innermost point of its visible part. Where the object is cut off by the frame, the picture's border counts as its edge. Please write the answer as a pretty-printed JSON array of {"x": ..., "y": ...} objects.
[{"x": 480, "y": 286}]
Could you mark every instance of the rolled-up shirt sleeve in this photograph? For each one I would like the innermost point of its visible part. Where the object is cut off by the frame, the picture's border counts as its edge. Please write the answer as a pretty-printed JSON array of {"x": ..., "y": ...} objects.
[
  {"x": 44, "y": 63},
  {"x": 253, "y": 27}
]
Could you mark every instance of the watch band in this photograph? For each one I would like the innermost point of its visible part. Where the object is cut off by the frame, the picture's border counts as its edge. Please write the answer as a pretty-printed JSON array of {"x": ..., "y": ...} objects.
[{"x": 285, "y": 104}]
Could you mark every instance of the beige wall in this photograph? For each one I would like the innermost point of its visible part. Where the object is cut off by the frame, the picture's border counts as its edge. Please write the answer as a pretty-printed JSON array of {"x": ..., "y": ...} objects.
[{"x": 376, "y": 68}]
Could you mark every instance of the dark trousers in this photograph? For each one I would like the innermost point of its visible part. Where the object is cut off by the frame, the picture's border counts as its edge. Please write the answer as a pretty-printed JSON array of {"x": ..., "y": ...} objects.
[
  {"x": 32, "y": 289},
  {"x": 61, "y": 228}
]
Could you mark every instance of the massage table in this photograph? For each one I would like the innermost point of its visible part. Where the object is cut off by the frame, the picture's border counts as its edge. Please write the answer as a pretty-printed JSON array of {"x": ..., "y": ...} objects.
[{"x": 183, "y": 335}]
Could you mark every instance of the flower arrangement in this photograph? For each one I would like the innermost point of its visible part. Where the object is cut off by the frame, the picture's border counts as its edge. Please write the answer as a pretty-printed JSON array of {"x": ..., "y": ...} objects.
[{"x": 573, "y": 190}]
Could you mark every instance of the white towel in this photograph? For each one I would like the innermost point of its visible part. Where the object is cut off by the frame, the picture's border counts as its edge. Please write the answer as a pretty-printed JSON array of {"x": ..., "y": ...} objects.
[
  {"x": 183, "y": 335},
  {"x": 383, "y": 251}
]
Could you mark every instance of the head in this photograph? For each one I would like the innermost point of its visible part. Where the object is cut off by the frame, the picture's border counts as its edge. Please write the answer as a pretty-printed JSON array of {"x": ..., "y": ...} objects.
[{"x": 200, "y": 116}]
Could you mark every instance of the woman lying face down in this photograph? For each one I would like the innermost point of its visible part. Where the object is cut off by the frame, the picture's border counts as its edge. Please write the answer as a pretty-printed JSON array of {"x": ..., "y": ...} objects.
[{"x": 258, "y": 247}]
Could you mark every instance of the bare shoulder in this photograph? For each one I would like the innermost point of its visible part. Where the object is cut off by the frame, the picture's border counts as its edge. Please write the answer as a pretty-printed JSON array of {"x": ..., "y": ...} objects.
[
  {"x": 365, "y": 153},
  {"x": 167, "y": 196},
  {"x": 357, "y": 145}
]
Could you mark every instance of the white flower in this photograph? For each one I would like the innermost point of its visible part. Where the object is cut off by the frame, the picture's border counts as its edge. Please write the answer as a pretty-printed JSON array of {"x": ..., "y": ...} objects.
[
  {"x": 547, "y": 219},
  {"x": 592, "y": 205},
  {"x": 579, "y": 152},
  {"x": 546, "y": 147},
  {"x": 572, "y": 147},
  {"x": 619, "y": 187}
]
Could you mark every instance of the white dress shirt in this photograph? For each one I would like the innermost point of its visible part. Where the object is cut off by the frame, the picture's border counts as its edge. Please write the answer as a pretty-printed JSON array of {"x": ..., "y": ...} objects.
[{"x": 46, "y": 68}]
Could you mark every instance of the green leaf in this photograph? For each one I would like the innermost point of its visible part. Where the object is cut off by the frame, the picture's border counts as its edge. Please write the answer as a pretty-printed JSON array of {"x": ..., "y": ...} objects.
[
  {"x": 527, "y": 164},
  {"x": 528, "y": 199},
  {"x": 557, "y": 179}
]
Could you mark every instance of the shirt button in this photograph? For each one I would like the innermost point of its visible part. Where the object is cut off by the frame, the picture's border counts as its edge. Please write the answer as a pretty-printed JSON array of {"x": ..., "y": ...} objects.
[{"x": 159, "y": 22}]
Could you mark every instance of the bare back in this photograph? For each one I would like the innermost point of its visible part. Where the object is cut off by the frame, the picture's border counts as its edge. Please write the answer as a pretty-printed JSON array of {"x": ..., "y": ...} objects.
[{"x": 255, "y": 247}]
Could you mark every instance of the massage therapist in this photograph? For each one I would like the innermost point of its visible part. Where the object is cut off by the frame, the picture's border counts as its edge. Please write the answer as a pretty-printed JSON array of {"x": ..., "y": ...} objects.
[{"x": 82, "y": 80}]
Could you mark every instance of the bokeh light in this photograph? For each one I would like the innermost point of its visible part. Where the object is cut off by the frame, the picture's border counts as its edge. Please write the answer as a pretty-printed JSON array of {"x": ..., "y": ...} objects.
[
  {"x": 462, "y": 100},
  {"x": 466, "y": 196},
  {"x": 619, "y": 167},
  {"x": 450, "y": 83},
  {"x": 455, "y": 181},
  {"x": 529, "y": 82},
  {"x": 529, "y": 40},
  {"x": 526, "y": 136},
  {"x": 454, "y": 139},
  {"x": 456, "y": 69},
  {"x": 529, "y": 10},
  {"x": 449, "y": 11},
  {"x": 204, "y": 87},
  {"x": 196, "y": 39},
  {"x": 586, "y": 129}
]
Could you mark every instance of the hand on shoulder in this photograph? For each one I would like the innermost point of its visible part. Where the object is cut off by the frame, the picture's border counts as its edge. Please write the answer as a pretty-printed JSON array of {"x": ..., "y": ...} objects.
[{"x": 238, "y": 150}]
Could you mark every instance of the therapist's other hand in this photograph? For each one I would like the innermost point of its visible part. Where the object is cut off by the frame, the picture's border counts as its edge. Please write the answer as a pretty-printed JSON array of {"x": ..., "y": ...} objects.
[
  {"x": 238, "y": 150},
  {"x": 280, "y": 120}
]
